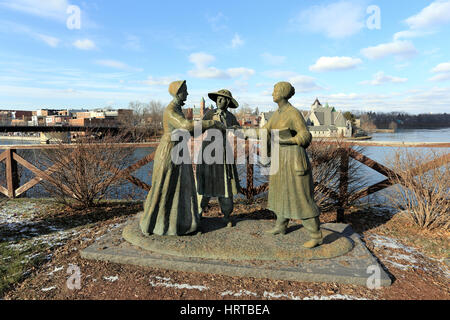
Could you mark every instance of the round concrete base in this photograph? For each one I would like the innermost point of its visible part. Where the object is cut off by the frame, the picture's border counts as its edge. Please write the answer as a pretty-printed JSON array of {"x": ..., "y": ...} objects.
[{"x": 247, "y": 240}]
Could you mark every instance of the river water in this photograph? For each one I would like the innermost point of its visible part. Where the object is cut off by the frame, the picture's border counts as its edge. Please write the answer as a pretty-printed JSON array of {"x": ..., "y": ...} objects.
[{"x": 379, "y": 154}]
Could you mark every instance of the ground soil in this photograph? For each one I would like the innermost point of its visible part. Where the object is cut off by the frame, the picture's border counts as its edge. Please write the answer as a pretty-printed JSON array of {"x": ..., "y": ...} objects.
[{"x": 415, "y": 260}]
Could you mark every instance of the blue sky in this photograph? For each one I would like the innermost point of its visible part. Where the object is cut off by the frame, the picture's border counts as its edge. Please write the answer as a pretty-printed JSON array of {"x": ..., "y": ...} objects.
[{"x": 342, "y": 52}]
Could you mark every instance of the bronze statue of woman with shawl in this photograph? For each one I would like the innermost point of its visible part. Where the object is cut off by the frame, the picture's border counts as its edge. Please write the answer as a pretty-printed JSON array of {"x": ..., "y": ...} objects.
[
  {"x": 291, "y": 194},
  {"x": 171, "y": 207}
]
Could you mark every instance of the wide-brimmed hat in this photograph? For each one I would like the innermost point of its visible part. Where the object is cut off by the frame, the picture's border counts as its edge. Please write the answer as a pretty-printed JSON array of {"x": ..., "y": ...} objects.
[
  {"x": 174, "y": 87},
  {"x": 224, "y": 93}
]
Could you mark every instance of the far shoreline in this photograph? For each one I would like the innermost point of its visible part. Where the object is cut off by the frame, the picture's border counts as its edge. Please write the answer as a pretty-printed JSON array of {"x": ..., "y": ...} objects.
[{"x": 20, "y": 138}]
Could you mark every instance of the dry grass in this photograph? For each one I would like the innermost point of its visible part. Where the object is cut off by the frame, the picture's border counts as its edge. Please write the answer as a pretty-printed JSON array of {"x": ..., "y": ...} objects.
[{"x": 423, "y": 194}]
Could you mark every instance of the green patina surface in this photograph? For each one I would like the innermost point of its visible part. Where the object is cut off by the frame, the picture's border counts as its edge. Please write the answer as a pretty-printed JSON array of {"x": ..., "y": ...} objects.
[{"x": 246, "y": 241}]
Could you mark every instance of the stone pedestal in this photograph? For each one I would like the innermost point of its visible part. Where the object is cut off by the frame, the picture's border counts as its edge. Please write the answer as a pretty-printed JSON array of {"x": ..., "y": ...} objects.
[{"x": 247, "y": 251}]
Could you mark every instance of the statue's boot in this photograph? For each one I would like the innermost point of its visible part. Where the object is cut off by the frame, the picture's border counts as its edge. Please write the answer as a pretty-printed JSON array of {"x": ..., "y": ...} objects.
[
  {"x": 227, "y": 206},
  {"x": 228, "y": 222},
  {"x": 203, "y": 205},
  {"x": 280, "y": 227},
  {"x": 316, "y": 240},
  {"x": 313, "y": 227}
]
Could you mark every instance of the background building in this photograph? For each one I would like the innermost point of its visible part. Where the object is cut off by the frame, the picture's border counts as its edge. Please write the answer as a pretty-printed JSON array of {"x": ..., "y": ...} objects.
[{"x": 322, "y": 121}]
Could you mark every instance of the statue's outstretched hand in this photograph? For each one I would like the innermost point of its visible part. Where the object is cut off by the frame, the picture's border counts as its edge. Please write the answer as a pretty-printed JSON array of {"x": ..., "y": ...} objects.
[{"x": 219, "y": 125}]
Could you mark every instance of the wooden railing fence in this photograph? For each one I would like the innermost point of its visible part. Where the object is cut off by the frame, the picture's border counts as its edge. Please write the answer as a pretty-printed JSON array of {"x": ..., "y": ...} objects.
[{"x": 13, "y": 189}]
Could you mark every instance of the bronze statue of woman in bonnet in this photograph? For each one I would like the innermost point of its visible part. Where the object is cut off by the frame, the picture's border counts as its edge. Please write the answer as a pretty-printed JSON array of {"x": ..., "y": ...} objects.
[{"x": 171, "y": 206}]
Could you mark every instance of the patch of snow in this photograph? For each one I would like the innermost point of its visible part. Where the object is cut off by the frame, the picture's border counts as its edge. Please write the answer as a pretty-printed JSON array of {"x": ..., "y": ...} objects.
[
  {"x": 239, "y": 294},
  {"x": 414, "y": 258},
  {"x": 334, "y": 297},
  {"x": 32, "y": 256},
  {"x": 401, "y": 266},
  {"x": 168, "y": 284},
  {"x": 48, "y": 289},
  {"x": 116, "y": 225},
  {"x": 404, "y": 257},
  {"x": 272, "y": 295},
  {"x": 383, "y": 241},
  {"x": 111, "y": 279},
  {"x": 57, "y": 269},
  {"x": 162, "y": 278}
]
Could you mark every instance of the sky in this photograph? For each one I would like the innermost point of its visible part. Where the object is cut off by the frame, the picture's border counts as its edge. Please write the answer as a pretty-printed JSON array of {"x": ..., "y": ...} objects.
[{"x": 356, "y": 55}]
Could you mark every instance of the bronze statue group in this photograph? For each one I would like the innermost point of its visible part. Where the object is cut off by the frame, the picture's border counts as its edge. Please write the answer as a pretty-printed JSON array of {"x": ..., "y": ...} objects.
[{"x": 175, "y": 203}]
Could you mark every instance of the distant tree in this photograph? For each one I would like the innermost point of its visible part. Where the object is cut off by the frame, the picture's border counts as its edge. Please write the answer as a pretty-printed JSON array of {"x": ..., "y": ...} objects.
[
  {"x": 350, "y": 116},
  {"x": 393, "y": 125},
  {"x": 156, "y": 111},
  {"x": 146, "y": 118},
  {"x": 244, "y": 110}
]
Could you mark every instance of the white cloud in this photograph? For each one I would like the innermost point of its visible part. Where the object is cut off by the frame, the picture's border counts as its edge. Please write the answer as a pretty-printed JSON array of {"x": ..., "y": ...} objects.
[
  {"x": 409, "y": 34},
  {"x": 117, "y": 65},
  {"x": 72, "y": 97},
  {"x": 54, "y": 9},
  {"x": 208, "y": 73},
  {"x": 237, "y": 41},
  {"x": 272, "y": 59},
  {"x": 427, "y": 21},
  {"x": 443, "y": 72},
  {"x": 217, "y": 22},
  {"x": 381, "y": 78},
  {"x": 202, "y": 69},
  {"x": 435, "y": 15},
  {"x": 7, "y": 26},
  {"x": 84, "y": 44},
  {"x": 436, "y": 99},
  {"x": 164, "y": 81},
  {"x": 440, "y": 77},
  {"x": 240, "y": 72},
  {"x": 201, "y": 59},
  {"x": 51, "y": 41},
  {"x": 403, "y": 49},
  {"x": 304, "y": 84},
  {"x": 301, "y": 83},
  {"x": 442, "y": 67},
  {"x": 336, "y": 20},
  {"x": 335, "y": 63}
]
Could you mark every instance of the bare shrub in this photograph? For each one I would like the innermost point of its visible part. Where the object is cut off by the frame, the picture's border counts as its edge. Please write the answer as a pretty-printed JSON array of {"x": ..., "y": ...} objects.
[
  {"x": 423, "y": 194},
  {"x": 326, "y": 156},
  {"x": 84, "y": 172}
]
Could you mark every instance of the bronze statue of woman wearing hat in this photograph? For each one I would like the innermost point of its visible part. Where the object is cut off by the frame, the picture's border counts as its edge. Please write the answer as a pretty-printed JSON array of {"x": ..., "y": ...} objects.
[
  {"x": 171, "y": 206},
  {"x": 220, "y": 179}
]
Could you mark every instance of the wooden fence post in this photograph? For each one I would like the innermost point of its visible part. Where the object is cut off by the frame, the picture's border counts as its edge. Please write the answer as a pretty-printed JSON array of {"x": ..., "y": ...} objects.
[
  {"x": 250, "y": 171},
  {"x": 343, "y": 184},
  {"x": 12, "y": 176}
]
